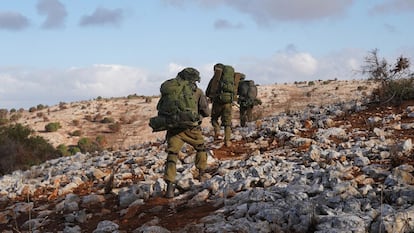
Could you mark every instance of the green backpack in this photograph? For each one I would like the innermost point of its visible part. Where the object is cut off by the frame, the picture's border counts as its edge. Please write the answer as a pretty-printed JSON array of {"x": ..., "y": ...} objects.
[
  {"x": 177, "y": 108},
  {"x": 247, "y": 92},
  {"x": 222, "y": 84}
]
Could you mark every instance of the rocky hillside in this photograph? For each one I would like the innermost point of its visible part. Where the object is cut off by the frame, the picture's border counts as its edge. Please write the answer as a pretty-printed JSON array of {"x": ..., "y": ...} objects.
[
  {"x": 133, "y": 113},
  {"x": 318, "y": 158}
]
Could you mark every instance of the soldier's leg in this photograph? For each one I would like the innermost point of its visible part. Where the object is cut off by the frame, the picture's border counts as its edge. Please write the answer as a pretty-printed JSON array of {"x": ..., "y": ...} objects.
[
  {"x": 195, "y": 138},
  {"x": 243, "y": 116},
  {"x": 249, "y": 113},
  {"x": 226, "y": 122},
  {"x": 215, "y": 115},
  {"x": 170, "y": 172}
]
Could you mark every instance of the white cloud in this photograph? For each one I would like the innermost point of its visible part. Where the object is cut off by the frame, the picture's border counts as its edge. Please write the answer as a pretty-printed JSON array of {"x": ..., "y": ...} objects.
[
  {"x": 290, "y": 65},
  {"x": 26, "y": 88}
]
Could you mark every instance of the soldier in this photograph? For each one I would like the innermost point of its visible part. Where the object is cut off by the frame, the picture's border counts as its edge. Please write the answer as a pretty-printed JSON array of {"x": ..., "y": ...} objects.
[
  {"x": 190, "y": 133},
  {"x": 247, "y": 99},
  {"x": 220, "y": 90}
]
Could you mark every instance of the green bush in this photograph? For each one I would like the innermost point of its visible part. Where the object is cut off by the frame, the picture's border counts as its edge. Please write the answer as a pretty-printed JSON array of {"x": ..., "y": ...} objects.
[
  {"x": 63, "y": 150},
  {"x": 101, "y": 141},
  {"x": 395, "y": 81},
  {"x": 76, "y": 133},
  {"x": 52, "y": 127},
  {"x": 88, "y": 145},
  {"x": 19, "y": 149},
  {"x": 40, "y": 107},
  {"x": 74, "y": 149}
]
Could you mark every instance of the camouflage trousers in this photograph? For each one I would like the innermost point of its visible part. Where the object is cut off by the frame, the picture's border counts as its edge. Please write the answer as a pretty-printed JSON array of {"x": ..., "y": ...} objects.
[
  {"x": 246, "y": 115},
  {"x": 223, "y": 112},
  {"x": 175, "y": 141}
]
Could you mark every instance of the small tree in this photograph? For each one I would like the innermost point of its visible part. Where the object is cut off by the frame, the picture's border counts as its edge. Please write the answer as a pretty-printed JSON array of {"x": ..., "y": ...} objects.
[{"x": 396, "y": 81}]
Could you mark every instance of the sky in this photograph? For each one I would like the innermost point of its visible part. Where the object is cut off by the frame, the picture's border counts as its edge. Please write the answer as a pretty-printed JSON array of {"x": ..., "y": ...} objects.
[{"x": 54, "y": 51}]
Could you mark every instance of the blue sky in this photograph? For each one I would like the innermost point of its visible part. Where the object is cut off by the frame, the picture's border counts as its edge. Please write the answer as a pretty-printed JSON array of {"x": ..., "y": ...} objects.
[{"x": 62, "y": 51}]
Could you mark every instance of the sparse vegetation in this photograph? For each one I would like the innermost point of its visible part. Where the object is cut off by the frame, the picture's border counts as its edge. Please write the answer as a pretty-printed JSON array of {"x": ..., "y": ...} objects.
[
  {"x": 32, "y": 109},
  {"x": 63, "y": 150},
  {"x": 86, "y": 144},
  {"x": 62, "y": 106},
  {"x": 76, "y": 133},
  {"x": 396, "y": 81},
  {"x": 52, "y": 127},
  {"x": 20, "y": 149},
  {"x": 107, "y": 120},
  {"x": 40, "y": 107}
]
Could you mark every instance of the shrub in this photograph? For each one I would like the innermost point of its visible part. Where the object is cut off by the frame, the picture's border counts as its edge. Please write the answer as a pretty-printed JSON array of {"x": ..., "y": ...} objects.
[
  {"x": 52, "y": 127},
  {"x": 62, "y": 105},
  {"x": 63, "y": 150},
  {"x": 76, "y": 133},
  {"x": 311, "y": 83},
  {"x": 101, "y": 140},
  {"x": 88, "y": 145},
  {"x": 396, "y": 81},
  {"x": 74, "y": 149},
  {"x": 19, "y": 149},
  {"x": 32, "y": 109},
  {"x": 107, "y": 120},
  {"x": 40, "y": 107}
]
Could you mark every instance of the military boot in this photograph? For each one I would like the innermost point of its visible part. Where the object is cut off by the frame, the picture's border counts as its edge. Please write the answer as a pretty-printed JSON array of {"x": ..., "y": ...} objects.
[{"x": 170, "y": 190}]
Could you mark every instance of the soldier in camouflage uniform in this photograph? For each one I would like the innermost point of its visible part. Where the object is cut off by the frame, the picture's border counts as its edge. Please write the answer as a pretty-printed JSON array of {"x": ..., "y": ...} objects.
[
  {"x": 223, "y": 112},
  {"x": 247, "y": 92},
  {"x": 193, "y": 136}
]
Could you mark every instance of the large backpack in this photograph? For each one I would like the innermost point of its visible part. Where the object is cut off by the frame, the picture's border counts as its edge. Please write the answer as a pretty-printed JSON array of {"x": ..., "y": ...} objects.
[
  {"x": 247, "y": 92},
  {"x": 237, "y": 78},
  {"x": 177, "y": 107},
  {"x": 221, "y": 86}
]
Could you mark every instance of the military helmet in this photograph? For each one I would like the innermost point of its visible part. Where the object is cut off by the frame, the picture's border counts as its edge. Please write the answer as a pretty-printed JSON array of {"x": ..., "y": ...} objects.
[{"x": 190, "y": 74}]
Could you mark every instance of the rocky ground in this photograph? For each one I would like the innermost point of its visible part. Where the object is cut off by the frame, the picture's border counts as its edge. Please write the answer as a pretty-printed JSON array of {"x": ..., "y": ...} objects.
[{"x": 318, "y": 158}]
